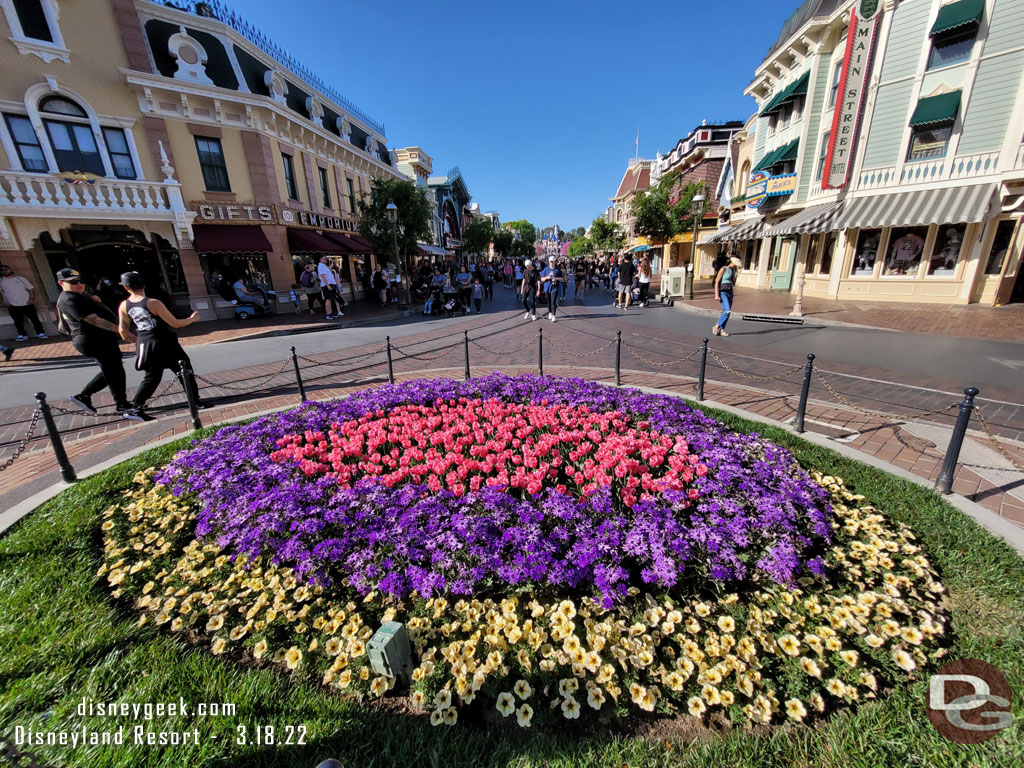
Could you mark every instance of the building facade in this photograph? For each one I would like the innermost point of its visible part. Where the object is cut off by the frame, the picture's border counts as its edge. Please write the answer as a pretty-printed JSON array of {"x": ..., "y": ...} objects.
[
  {"x": 178, "y": 142},
  {"x": 887, "y": 159}
]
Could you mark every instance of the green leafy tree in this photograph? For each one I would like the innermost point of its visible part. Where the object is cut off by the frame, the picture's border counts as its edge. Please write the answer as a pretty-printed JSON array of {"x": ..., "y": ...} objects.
[
  {"x": 414, "y": 216},
  {"x": 527, "y": 232},
  {"x": 580, "y": 246},
  {"x": 653, "y": 214},
  {"x": 606, "y": 236},
  {"x": 521, "y": 249},
  {"x": 682, "y": 217},
  {"x": 575, "y": 234},
  {"x": 504, "y": 244},
  {"x": 477, "y": 236}
]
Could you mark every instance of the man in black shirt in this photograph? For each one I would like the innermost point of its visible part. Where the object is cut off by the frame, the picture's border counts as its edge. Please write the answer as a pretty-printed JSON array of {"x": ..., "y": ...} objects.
[
  {"x": 625, "y": 282},
  {"x": 94, "y": 332}
]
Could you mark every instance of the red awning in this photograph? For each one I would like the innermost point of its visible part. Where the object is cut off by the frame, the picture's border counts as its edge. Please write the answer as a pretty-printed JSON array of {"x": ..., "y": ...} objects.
[
  {"x": 340, "y": 240},
  {"x": 360, "y": 244},
  {"x": 308, "y": 241},
  {"x": 224, "y": 238}
]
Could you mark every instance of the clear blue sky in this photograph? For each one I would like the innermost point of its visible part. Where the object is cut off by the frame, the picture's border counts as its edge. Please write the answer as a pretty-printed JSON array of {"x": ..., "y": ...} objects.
[{"x": 538, "y": 103}]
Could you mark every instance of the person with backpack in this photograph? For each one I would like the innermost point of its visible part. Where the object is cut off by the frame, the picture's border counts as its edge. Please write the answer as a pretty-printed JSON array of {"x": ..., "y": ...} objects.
[
  {"x": 310, "y": 285},
  {"x": 552, "y": 279},
  {"x": 529, "y": 289},
  {"x": 156, "y": 347},
  {"x": 624, "y": 282},
  {"x": 725, "y": 282}
]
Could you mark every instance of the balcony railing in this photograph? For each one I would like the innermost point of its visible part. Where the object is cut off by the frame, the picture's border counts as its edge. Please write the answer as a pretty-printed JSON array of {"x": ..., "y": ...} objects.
[
  {"x": 37, "y": 192},
  {"x": 221, "y": 12}
]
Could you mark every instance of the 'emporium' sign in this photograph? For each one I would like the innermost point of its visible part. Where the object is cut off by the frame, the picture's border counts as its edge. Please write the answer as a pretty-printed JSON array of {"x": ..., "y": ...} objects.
[
  {"x": 259, "y": 213},
  {"x": 860, "y": 45}
]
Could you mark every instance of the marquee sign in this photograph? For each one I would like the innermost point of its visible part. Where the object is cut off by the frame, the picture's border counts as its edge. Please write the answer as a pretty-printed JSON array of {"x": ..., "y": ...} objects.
[
  {"x": 763, "y": 185},
  {"x": 257, "y": 213},
  {"x": 860, "y": 45}
]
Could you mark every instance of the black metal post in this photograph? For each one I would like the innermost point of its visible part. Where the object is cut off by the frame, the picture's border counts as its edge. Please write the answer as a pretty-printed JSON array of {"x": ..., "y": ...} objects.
[
  {"x": 944, "y": 482},
  {"x": 298, "y": 377},
  {"x": 618, "y": 358},
  {"x": 703, "y": 369},
  {"x": 465, "y": 346},
  {"x": 66, "y": 470},
  {"x": 540, "y": 351},
  {"x": 804, "y": 391},
  {"x": 188, "y": 382},
  {"x": 391, "y": 365}
]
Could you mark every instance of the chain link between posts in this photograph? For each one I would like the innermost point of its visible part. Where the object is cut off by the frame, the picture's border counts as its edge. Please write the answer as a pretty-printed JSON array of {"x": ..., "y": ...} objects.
[
  {"x": 894, "y": 419},
  {"x": 995, "y": 442},
  {"x": 24, "y": 441},
  {"x": 529, "y": 343},
  {"x": 747, "y": 376},
  {"x": 564, "y": 351},
  {"x": 427, "y": 356},
  {"x": 258, "y": 385},
  {"x": 337, "y": 363},
  {"x": 665, "y": 364}
]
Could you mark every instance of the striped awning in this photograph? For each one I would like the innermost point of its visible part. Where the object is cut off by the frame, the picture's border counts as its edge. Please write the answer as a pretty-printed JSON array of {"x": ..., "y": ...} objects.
[
  {"x": 818, "y": 218},
  {"x": 953, "y": 205},
  {"x": 748, "y": 230}
]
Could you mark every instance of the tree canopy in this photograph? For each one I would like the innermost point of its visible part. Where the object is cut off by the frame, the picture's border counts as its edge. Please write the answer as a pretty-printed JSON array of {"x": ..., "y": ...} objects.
[
  {"x": 580, "y": 246},
  {"x": 663, "y": 211},
  {"x": 527, "y": 231},
  {"x": 477, "y": 236},
  {"x": 606, "y": 236},
  {"x": 414, "y": 216}
]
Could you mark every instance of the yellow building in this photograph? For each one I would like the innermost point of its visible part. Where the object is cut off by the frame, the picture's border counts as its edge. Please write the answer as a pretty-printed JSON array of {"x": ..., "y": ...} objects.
[{"x": 178, "y": 143}]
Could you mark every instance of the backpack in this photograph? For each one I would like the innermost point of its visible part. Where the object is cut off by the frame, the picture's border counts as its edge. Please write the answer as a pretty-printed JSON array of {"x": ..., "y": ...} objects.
[{"x": 307, "y": 279}]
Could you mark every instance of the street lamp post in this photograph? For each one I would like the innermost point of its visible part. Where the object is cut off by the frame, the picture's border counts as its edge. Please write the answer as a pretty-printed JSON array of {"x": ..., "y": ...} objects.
[
  {"x": 697, "y": 211},
  {"x": 403, "y": 272}
]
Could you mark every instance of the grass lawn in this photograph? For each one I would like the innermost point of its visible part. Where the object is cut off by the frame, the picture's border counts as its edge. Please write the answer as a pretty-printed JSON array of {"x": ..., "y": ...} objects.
[{"x": 62, "y": 639}]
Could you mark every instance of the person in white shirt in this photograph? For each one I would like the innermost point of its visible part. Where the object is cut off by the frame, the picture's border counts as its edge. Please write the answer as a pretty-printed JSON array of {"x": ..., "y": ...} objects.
[
  {"x": 328, "y": 286},
  {"x": 18, "y": 295}
]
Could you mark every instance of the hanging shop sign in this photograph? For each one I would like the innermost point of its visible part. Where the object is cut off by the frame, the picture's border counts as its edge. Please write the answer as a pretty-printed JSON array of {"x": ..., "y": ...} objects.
[
  {"x": 778, "y": 186},
  {"x": 257, "y": 213},
  {"x": 860, "y": 46},
  {"x": 757, "y": 188}
]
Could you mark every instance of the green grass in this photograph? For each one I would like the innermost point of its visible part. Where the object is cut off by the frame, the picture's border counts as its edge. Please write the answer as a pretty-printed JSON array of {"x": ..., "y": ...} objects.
[{"x": 62, "y": 639}]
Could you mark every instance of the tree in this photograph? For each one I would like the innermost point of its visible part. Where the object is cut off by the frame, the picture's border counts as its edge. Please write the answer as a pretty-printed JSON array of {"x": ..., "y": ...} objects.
[
  {"x": 606, "y": 236},
  {"x": 653, "y": 214},
  {"x": 575, "y": 234},
  {"x": 414, "y": 217},
  {"x": 527, "y": 232},
  {"x": 477, "y": 236},
  {"x": 580, "y": 246},
  {"x": 504, "y": 244}
]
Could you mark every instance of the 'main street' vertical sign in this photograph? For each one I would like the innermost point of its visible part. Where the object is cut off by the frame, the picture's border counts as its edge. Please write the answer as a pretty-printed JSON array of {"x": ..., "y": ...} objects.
[{"x": 860, "y": 44}]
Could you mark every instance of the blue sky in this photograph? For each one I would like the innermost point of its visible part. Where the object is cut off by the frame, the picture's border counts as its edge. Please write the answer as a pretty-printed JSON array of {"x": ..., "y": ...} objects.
[{"x": 538, "y": 103}]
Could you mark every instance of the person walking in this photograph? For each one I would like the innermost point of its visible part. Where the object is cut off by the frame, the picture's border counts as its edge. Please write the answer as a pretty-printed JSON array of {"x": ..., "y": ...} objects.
[
  {"x": 94, "y": 333},
  {"x": 19, "y": 297},
  {"x": 478, "y": 294},
  {"x": 489, "y": 274},
  {"x": 579, "y": 280},
  {"x": 725, "y": 282},
  {"x": 380, "y": 285},
  {"x": 624, "y": 282},
  {"x": 519, "y": 280},
  {"x": 327, "y": 289},
  {"x": 552, "y": 278},
  {"x": 529, "y": 289},
  {"x": 157, "y": 348},
  {"x": 644, "y": 276},
  {"x": 310, "y": 283},
  {"x": 464, "y": 281}
]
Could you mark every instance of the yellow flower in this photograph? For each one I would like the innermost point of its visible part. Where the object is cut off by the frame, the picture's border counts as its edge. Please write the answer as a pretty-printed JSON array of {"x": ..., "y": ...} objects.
[
  {"x": 726, "y": 624},
  {"x": 333, "y": 646},
  {"x": 292, "y": 657},
  {"x": 711, "y": 694},
  {"x": 674, "y": 681},
  {"x": 904, "y": 660},
  {"x": 795, "y": 709},
  {"x": 238, "y": 632},
  {"x": 850, "y": 657},
  {"x": 911, "y": 635},
  {"x": 436, "y": 717},
  {"x": 506, "y": 704},
  {"x": 215, "y": 623},
  {"x": 523, "y": 690},
  {"x": 810, "y": 667},
  {"x": 790, "y": 645},
  {"x": 450, "y": 716},
  {"x": 874, "y": 641},
  {"x": 595, "y": 698},
  {"x": 835, "y": 687},
  {"x": 358, "y": 649},
  {"x": 696, "y": 706},
  {"x": 567, "y": 686},
  {"x": 218, "y": 646},
  {"x": 418, "y": 698},
  {"x": 817, "y": 701},
  {"x": 702, "y": 609},
  {"x": 177, "y": 624},
  {"x": 524, "y": 715},
  {"x": 571, "y": 708},
  {"x": 345, "y": 678},
  {"x": 443, "y": 699},
  {"x": 378, "y": 686},
  {"x": 259, "y": 649},
  {"x": 728, "y": 698}
]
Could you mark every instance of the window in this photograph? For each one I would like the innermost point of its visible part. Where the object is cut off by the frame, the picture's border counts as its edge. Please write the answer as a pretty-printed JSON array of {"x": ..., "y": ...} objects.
[
  {"x": 954, "y": 48},
  {"x": 822, "y": 153},
  {"x": 906, "y": 247},
  {"x": 289, "y": 177},
  {"x": 929, "y": 142},
  {"x": 812, "y": 254},
  {"x": 211, "y": 160},
  {"x": 826, "y": 254},
  {"x": 837, "y": 73},
  {"x": 325, "y": 189},
  {"x": 74, "y": 147},
  {"x": 866, "y": 253},
  {"x": 946, "y": 251},
  {"x": 751, "y": 248},
  {"x": 351, "y": 196},
  {"x": 27, "y": 144},
  {"x": 32, "y": 18},
  {"x": 1000, "y": 247},
  {"x": 120, "y": 155}
]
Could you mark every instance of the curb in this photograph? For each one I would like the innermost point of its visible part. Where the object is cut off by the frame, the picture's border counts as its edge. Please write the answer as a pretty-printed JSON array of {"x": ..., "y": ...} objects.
[
  {"x": 996, "y": 525},
  {"x": 320, "y": 326},
  {"x": 809, "y": 320}
]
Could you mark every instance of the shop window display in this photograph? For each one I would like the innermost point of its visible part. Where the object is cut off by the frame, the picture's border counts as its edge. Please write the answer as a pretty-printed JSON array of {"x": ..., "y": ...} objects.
[
  {"x": 906, "y": 247},
  {"x": 1000, "y": 247},
  {"x": 826, "y": 254},
  {"x": 946, "y": 251},
  {"x": 750, "y": 250},
  {"x": 813, "y": 250},
  {"x": 866, "y": 253}
]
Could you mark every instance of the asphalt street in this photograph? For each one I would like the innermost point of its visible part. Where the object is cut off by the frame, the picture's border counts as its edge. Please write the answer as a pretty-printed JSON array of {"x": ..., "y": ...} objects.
[{"x": 883, "y": 355}]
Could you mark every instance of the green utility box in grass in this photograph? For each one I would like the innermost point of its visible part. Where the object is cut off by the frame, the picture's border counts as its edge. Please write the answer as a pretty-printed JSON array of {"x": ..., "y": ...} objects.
[{"x": 388, "y": 650}]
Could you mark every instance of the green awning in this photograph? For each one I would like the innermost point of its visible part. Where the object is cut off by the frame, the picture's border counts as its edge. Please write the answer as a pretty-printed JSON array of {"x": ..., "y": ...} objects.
[
  {"x": 958, "y": 14},
  {"x": 936, "y": 109},
  {"x": 790, "y": 92},
  {"x": 779, "y": 155},
  {"x": 767, "y": 160}
]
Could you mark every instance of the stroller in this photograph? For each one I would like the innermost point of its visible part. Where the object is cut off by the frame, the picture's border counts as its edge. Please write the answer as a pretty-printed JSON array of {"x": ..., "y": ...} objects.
[{"x": 451, "y": 302}]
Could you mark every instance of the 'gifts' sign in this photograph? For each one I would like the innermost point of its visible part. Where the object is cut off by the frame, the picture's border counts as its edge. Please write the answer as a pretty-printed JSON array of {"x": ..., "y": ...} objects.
[{"x": 860, "y": 44}]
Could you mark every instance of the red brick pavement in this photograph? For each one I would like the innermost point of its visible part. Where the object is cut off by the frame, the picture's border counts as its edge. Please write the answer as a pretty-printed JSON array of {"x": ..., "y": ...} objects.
[
  {"x": 1005, "y": 323},
  {"x": 572, "y": 347}
]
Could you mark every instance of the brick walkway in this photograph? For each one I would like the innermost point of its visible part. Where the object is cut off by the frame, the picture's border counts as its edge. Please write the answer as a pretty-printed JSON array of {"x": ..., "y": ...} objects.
[
  {"x": 972, "y": 321},
  {"x": 578, "y": 346}
]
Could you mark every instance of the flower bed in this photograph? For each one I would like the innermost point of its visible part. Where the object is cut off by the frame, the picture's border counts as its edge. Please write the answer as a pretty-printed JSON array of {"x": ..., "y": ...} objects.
[{"x": 553, "y": 546}]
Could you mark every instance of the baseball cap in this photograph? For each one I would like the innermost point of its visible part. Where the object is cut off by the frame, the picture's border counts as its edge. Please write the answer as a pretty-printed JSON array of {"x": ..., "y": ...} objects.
[
  {"x": 67, "y": 274},
  {"x": 133, "y": 280}
]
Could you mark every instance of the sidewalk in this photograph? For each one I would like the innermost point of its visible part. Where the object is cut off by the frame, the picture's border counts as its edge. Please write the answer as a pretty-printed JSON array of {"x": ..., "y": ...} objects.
[
  {"x": 503, "y": 342},
  {"x": 357, "y": 313},
  {"x": 971, "y": 321}
]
